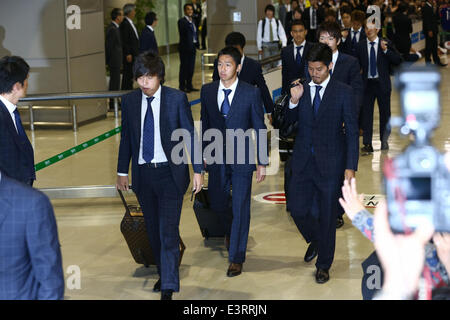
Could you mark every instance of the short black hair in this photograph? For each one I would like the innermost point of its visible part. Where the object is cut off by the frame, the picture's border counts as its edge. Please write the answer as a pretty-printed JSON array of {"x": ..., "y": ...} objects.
[
  {"x": 294, "y": 1},
  {"x": 269, "y": 7},
  {"x": 13, "y": 69},
  {"x": 332, "y": 28},
  {"x": 149, "y": 63},
  {"x": 235, "y": 39},
  {"x": 320, "y": 52},
  {"x": 231, "y": 51},
  {"x": 298, "y": 22},
  {"x": 346, "y": 9},
  {"x": 150, "y": 17},
  {"x": 115, "y": 13},
  {"x": 187, "y": 5}
]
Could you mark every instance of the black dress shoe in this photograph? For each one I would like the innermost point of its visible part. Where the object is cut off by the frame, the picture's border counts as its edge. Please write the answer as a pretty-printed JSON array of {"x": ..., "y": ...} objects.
[
  {"x": 234, "y": 269},
  {"x": 440, "y": 64},
  {"x": 339, "y": 222},
  {"x": 157, "y": 286},
  {"x": 311, "y": 253},
  {"x": 367, "y": 148},
  {"x": 322, "y": 275},
  {"x": 166, "y": 294},
  {"x": 384, "y": 146}
]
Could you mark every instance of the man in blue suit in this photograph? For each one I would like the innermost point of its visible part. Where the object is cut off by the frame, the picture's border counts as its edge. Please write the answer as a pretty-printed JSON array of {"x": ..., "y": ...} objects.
[
  {"x": 150, "y": 117},
  {"x": 230, "y": 106},
  {"x": 187, "y": 48},
  {"x": 321, "y": 151},
  {"x": 251, "y": 71},
  {"x": 355, "y": 35},
  {"x": 30, "y": 256},
  {"x": 147, "y": 40},
  {"x": 16, "y": 151},
  {"x": 293, "y": 56},
  {"x": 376, "y": 58}
]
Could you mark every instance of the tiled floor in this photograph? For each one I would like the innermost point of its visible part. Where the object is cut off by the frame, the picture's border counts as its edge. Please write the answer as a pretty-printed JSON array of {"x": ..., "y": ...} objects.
[{"x": 90, "y": 236}]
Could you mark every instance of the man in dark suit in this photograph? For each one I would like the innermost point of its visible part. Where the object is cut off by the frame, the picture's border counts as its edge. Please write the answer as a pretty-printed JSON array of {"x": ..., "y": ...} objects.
[
  {"x": 150, "y": 115},
  {"x": 232, "y": 107},
  {"x": 148, "y": 39},
  {"x": 16, "y": 151},
  {"x": 197, "y": 15},
  {"x": 346, "y": 70},
  {"x": 130, "y": 45},
  {"x": 294, "y": 65},
  {"x": 355, "y": 35},
  {"x": 250, "y": 71},
  {"x": 321, "y": 150},
  {"x": 376, "y": 59},
  {"x": 403, "y": 29},
  {"x": 430, "y": 22},
  {"x": 113, "y": 51},
  {"x": 187, "y": 49},
  {"x": 313, "y": 17},
  {"x": 30, "y": 255}
]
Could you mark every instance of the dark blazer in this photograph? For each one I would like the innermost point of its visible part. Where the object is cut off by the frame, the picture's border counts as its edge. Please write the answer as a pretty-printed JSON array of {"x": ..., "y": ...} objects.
[
  {"x": 306, "y": 18},
  {"x": 290, "y": 70},
  {"x": 113, "y": 47},
  {"x": 346, "y": 46},
  {"x": 245, "y": 113},
  {"x": 430, "y": 20},
  {"x": 130, "y": 42},
  {"x": 385, "y": 62},
  {"x": 186, "y": 44},
  {"x": 148, "y": 41},
  {"x": 251, "y": 73},
  {"x": 30, "y": 256},
  {"x": 175, "y": 114},
  {"x": 403, "y": 29},
  {"x": 334, "y": 150},
  {"x": 16, "y": 154}
]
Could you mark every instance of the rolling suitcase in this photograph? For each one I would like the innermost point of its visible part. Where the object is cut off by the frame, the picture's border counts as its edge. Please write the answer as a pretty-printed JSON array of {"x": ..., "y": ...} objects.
[
  {"x": 207, "y": 219},
  {"x": 135, "y": 234}
]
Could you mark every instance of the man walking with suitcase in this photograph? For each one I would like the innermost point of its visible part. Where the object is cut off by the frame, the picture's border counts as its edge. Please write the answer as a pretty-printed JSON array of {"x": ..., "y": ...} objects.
[{"x": 150, "y": 115}]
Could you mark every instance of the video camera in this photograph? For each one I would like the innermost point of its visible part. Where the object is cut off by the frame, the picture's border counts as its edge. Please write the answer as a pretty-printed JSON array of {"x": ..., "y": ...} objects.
[{"x": 417, "y": 182}]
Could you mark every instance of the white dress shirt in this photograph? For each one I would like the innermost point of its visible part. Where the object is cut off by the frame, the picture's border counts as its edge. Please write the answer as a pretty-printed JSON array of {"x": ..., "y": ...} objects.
[
  {"x": 11, "y": 108},
  {"x": 311, "y": 10},
  {"x": 334, "y": 59},
  {"x": 312, "y": 88},
  {"x": 115, "y": 23},
  {"x": 132, "y": 25},
  {"x": 301, "y": 50},
  {"x": 158, "y": 155},
  {"x": 221, "y": 94},
  {"x": 357, "y": 35},
  {"x": 281, "y": 35},
  {"x": 193, "y": 25},
  {"x": 150, "y": 27}
]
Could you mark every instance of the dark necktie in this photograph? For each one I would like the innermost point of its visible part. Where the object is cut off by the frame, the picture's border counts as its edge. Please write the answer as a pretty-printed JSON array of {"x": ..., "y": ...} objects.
[
  {"x": 373, "y": 60},
  {"x": 354, "y": 38},
  {"x": 225, "y": 108},
  {"x": 316, "y": 102},
  {"x": 298, "y": 57},
  {"x": 314, "y": 19},
  {"x": 148, "y": 138},
  {"x": 331, "y": 72},
  {"x": 194, "y": 31},
  {"x": 20, "y": 130}
]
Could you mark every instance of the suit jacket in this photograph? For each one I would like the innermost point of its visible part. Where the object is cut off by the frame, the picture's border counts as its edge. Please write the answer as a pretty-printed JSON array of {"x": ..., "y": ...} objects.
[
  {"x": 403, "y": 29},
  {"x": 16, "y": 154},
  {"x": 175, "y": 114},
  {"x": 430, "y": 20},
  {"x": 307, "y": 19},
  {"x": 30, "y": 256},
  {"x": 187, "y": 35},
  {"x": 251, "y": 73},
  {"x": 346, "y": 46},
  {"x": 148, "y": 41},
  {"x": 290, "y": 70},
  {"x": 385, "y": 62},
  {"x": 334, "y": 150},
  {"x": 245, "y": 113},
  {"x": 130, "y": 41},
  {"x": 113, "y": 47}
]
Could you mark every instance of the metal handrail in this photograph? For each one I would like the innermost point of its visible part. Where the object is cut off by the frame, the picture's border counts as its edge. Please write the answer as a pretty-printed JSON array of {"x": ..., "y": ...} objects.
[{"x": 70, "y": 96}]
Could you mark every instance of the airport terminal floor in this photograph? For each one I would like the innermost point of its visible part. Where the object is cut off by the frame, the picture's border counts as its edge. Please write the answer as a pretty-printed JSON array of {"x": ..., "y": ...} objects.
[{"x": 89, "y": 229}]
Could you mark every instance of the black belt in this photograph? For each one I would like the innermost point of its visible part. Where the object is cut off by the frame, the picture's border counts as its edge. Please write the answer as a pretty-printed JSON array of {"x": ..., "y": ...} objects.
[{"x": 156, "y": 164}]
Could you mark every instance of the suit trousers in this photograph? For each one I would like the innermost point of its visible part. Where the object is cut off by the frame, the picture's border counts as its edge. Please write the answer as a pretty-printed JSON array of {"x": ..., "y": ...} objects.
[
  {"x": 161, "y": 204},
  {"x": 114, "y": 83},
  {"x": 187, "y": 65},
  {"x": 127, "y": 75},
  {"x": 315, "y": 211},
  {"x": 372, "y": 92},
  {"x": 431, "y": 48},
  {"x": 237, "y": 226}
]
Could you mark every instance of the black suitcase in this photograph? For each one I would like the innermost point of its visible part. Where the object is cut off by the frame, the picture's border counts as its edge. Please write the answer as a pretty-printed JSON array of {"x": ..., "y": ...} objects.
[
  {"x": 135, "y": 234},
  {"x": 207, "y": 219}
]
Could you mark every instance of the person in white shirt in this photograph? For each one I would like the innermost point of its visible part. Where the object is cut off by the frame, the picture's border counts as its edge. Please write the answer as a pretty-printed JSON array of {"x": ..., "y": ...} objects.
[{"x": 270, "y": 33}]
